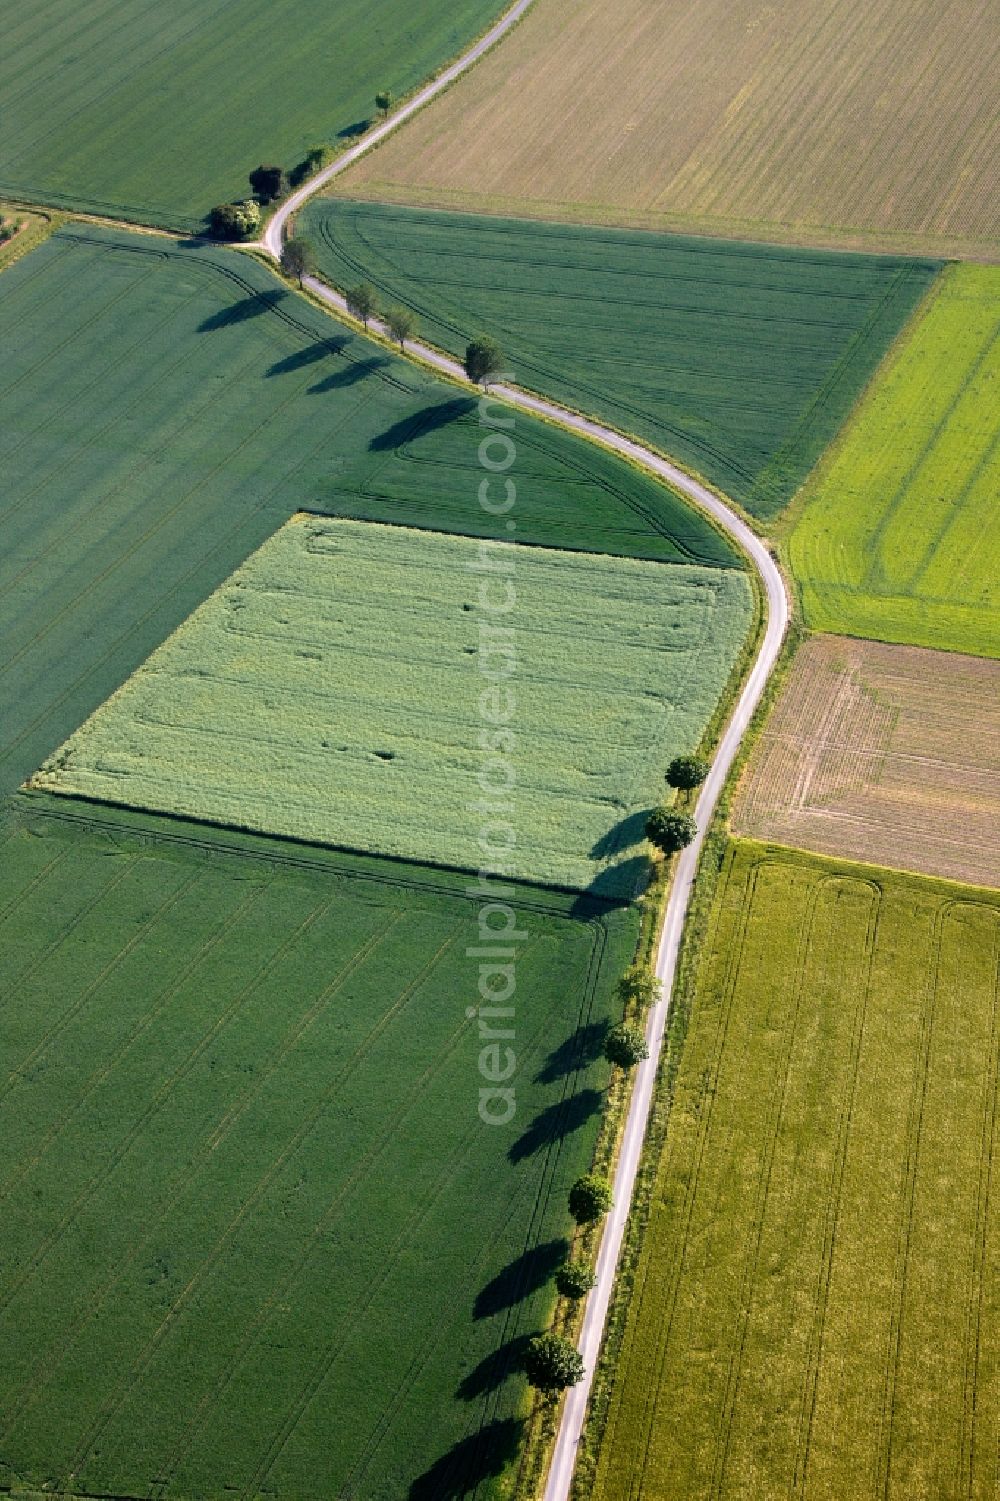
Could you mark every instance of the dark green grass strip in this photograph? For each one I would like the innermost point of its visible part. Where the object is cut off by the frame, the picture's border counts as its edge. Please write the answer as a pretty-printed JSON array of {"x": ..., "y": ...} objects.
[
  {"x": 257, "y": 1238},
  {"x": 164, "y": 408},
  {"x": 154, "y": 113},
  {"x": 741, "y": 360}
]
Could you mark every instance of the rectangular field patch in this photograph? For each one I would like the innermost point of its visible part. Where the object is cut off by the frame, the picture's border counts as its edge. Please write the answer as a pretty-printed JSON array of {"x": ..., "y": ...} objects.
[
  {"x": 425, "y": 696},
  {"x": 817, "y": 121},
  {"x": 885, "y": 753},
  {"x": 816, "y": 1308},
  {"x": 899, "y": 532},
  {"x": 165, "y": 407},
  {"x": 740, "y": 360},
  {"x": 258, "y": 1239}
]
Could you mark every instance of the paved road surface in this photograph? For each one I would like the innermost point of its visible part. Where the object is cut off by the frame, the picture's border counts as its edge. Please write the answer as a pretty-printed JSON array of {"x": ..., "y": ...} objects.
[
  {"x": 595, "y": 1314},
  {"x": 276, "y": 228}
]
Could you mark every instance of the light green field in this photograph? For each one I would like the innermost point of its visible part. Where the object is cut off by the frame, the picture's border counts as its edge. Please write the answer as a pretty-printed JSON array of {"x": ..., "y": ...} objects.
[
  {"x": 899, "y": 537},
  {"x": 257, "y": 1239},
  {"x": 332, "y": 691},
  {"x": 816, "y": 1310},
  {"x": 143, "y": 110},
  {"x": 164, "y": 408}
]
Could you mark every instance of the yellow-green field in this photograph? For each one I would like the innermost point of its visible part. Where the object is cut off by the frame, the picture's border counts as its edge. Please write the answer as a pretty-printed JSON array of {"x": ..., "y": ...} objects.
[
  {"x": 816, "y": 1310},
  {"x": 358, "y": 685},
  {"x": 820, "y": 121},
  {"x": 899, "y": 532}
]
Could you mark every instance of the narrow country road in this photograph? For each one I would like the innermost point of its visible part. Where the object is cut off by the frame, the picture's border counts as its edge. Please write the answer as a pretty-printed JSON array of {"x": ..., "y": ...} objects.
[
  {"x": 276, "y": 227},
  {"x": 595, "y": 1314}
]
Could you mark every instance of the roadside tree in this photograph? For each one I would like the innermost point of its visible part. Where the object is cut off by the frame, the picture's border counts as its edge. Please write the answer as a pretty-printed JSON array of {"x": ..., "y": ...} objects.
[
  {"x": 268, "y": 183},
  {"x": 687, "y": 772},
  {"x": 574, "y": 1279},
  {"x": 552, "y": 1363},
  {"x": 669, "y": 830},
  {"x": 298, "y": 259},
  {"x": 590, "y": 1199},
  {"x": 483, "y": 358},
  {"x": 638, "y": 989},
  {"x": 625, "y": 1045},
  {"x": 401, "y": 323},
  {"x": 362, "y": 302},
  {"x": 234, "y": 221}
]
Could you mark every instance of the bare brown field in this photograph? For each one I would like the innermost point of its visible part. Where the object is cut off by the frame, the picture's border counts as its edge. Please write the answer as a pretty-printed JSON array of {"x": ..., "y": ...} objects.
[
  {"x": 822, "y": 121},
  {"x": 888, "y": 754}
]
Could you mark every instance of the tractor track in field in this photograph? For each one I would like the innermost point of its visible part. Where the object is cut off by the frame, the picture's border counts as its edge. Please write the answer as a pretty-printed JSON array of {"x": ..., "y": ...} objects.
[{"x": 778, "y": 610}]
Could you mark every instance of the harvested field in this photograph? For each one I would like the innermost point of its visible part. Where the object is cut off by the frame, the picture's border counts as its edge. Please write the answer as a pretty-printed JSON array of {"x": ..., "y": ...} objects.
[
  {"x": 816, "y": 1309},
  {"x": 164, "y": 409},
  {"x": 898, "y": 535},
  {"x": 741, "y": 361},
  {"x": 257, "y": 1239},
  {"x": 883, "y": 753},
  {"x": 822, "y": 121},
  {"x": 152, "y": 112},
  {"x": 333, "y": 690}
]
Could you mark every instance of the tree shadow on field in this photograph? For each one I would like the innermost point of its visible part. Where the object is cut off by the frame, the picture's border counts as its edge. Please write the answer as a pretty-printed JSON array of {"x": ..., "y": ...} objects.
[
  {"x": 349, "y": 375},
  {"x": 303, "y": 358},
  {"x": 419, "y": 424},
  {"x": 357, "y": 129},
  {"x": 625, "y": 834},
  {"x": 580, "y": 1048},
  {"x": 240, "y": 312},
  {"x": 494, "y": 1368},
  {"x": 456, "y": 1475},
  {"x": 616, "y": 885},
  {"x": 556, "y": 1122},
  {"x": 520, "y": 1278}
]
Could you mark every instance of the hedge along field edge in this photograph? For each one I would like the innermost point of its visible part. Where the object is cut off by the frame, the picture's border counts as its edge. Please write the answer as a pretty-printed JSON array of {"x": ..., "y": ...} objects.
[
  {"x": 710, "y": 869},
  {"x": 543, "y": 1424},
  {"x": 594, "y": 216},
  {"x": 42, "y": 223},
  {"x": 412, "y": 352},
  {"x": 403, "y": 113}
]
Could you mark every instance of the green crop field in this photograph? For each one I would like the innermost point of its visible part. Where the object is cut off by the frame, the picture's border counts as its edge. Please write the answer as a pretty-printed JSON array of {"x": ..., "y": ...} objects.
[
  {"x": 155, "y": 112},
  {"x": 816, "y": 1308},
  {"x": 164, "y": 409},
  {"x": 740, "y": 360},
  {"x": 333, "y": 690},
  {"x": 899, "y": 535},
  {"x": 257, "y": 1239}
]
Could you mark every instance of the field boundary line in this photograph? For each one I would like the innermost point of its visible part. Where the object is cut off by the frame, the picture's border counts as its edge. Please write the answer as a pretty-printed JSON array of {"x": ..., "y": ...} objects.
[
  {"x": 908, "y": 1185},
  {"x": 817, "y": 1333},
  {"x": 973, "y": 1346},
  {"x": 777, "y": 611},
  {"x": 274, "y": 232}
]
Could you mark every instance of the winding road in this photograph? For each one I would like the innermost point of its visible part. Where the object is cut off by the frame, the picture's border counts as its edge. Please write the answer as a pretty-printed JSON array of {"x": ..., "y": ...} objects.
[{"x": 778, "y": 613}]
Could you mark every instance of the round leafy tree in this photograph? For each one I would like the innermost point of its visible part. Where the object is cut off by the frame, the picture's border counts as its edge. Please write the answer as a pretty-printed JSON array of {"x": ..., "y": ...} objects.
[
  {"x": 552, "y": 1363},
  {"x": 590, "y": 1198},
  {"x": 362, "y": 301},
  {"x": 669, "y": 830},
  {"x": 638, "y": 989},
  {"x": 625, "y": 1045},
  {"x": 298, "y": 259},
  {"x": 574, "y": 1279},
  {"x": 268, "y": 183},
  {"x": 234, "y": 221},
  {"x": 686, "y": 772},
  {"x": 483, "y": 358}
]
